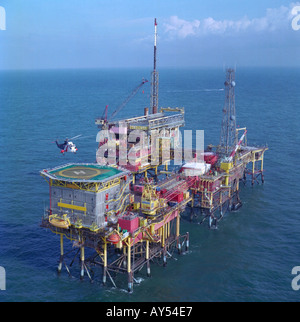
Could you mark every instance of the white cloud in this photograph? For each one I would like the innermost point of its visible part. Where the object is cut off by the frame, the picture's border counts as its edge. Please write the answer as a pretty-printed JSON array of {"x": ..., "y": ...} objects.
[
  {"x": 274, "y": 19},
  {"x": 180, "y": 27}
]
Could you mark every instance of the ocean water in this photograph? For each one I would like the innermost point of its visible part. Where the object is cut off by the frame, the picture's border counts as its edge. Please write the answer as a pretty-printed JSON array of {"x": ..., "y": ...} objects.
[{"x": 248, "y": 258}]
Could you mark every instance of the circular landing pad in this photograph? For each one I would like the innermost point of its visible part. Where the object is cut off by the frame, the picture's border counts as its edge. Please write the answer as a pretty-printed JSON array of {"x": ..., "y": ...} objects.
[
  {"x": 81, "y": 172},
  {"x": 84, "y": 172}
]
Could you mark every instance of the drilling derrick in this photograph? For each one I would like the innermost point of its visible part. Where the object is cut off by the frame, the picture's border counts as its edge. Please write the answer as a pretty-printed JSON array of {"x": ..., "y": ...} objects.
[
  {"x": 154, "y": 77},
  {"x": 228, "y": 138}
]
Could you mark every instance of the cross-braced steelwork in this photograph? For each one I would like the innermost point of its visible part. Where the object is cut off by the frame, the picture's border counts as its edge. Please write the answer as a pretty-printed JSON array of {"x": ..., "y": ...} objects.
[{"x": 228, "y": 131}]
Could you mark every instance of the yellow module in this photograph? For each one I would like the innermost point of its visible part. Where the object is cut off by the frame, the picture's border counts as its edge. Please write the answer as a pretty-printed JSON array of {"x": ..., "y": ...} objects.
[
  {"x": 149, "y": 201},
  {"x": 149, "y": 207},
  {"x": 226, "y": 166}
]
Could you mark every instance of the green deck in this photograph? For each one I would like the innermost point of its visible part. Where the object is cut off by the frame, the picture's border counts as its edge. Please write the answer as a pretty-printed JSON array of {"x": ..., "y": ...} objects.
[{"x": 84, "y": 172}]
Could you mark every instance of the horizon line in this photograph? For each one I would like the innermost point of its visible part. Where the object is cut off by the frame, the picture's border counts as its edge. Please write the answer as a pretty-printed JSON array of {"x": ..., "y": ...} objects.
[{"x": 139, "y": 67}]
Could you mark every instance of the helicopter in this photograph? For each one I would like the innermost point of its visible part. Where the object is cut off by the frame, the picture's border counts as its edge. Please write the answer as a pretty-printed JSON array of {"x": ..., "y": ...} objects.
[{"x": 67, "y": 146}]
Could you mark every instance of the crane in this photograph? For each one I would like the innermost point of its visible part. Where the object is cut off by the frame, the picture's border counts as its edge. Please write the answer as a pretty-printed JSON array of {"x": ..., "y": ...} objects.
[
  {"x": 103, "y": 121},
  {"x": 230, "y": 158},
  {"x": 132, "y": 94}
]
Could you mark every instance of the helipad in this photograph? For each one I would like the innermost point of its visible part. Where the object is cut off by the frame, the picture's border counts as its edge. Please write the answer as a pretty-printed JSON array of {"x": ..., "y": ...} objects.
[{"x": 82, "y": 172}]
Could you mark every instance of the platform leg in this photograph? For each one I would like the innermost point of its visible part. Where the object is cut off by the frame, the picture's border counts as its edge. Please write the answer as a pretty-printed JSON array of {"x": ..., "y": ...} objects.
[
  {"x": 187, "y": 242},
  {"x": 147, "y": 258},
  {"x": 253, "y": 172},
  {"x": 59, "y": 268},
  {"x": 105, "y": 263},
  {"x": 129, "y": 271},
  {"x": 178, "y": 233},
  {"x": 164, "y": 256},
  {"x": 262, "y": 169},
  {"x": 82, "y": 262}
]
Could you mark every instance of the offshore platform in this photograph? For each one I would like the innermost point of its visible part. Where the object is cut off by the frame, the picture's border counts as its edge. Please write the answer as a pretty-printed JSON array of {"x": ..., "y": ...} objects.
[{"x": 127, "y": 207}]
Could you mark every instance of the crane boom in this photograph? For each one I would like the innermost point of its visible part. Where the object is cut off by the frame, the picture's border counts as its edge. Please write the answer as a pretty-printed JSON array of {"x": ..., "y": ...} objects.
[
  {"x": 237, "y": 146},
  {"x": 103, "y": 121},
  {"x": 128, "y": 98}
]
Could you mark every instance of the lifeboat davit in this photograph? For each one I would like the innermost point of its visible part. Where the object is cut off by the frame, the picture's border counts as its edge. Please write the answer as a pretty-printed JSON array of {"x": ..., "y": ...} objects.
[{"x": 114, "y": 238}]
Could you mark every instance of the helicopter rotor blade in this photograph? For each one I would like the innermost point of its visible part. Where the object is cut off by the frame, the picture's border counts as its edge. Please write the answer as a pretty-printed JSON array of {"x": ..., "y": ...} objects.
[
  {"x": 74, "y": 137},
  {"x": 85, "y": 137}
]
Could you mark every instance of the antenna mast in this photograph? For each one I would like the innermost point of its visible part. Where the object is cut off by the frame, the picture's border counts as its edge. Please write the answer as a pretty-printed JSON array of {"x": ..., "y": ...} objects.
[{"x": 154, "y": 77}]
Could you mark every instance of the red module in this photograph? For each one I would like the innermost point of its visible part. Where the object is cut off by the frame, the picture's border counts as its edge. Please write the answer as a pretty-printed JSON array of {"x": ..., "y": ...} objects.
[
  {"x": 138, "y": 189},
  {"x": 210, "y": 158},
  {"x": 129, "y": 222},
  {"x": 178, "y": 197}
]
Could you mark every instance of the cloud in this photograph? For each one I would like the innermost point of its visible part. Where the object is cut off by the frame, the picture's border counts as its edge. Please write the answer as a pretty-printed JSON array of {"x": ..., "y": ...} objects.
[
  {"x": 274, "y": 19},
  {"x": 180, "y": 27}
]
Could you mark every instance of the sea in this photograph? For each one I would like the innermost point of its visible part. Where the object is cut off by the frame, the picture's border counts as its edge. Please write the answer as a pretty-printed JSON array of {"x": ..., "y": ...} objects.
[{"x": 254, "y": 253}]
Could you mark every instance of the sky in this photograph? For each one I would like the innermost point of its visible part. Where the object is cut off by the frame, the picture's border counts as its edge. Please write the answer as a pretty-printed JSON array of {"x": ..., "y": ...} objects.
[{"x": 38, "y": 34}]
